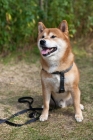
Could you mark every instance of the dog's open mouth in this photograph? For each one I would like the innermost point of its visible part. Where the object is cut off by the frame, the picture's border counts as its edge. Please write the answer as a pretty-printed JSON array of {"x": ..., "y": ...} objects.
[{"x": 47, "y": 51}]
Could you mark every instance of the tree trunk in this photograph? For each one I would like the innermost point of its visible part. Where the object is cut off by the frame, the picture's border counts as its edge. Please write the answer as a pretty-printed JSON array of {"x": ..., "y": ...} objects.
[{"x": 41, "y": 3}]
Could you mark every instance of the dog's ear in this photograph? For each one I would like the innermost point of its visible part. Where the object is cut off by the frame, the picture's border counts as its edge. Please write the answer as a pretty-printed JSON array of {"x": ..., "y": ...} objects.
[
  {"x": 41, "y": 27},
  {"x": 64, "y": 27}
]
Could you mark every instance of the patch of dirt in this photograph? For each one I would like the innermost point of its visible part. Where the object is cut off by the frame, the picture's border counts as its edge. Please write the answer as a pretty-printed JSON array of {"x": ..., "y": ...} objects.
[
  {"x": 17, "y": 80},
  {"x": 19, "y": 75}
]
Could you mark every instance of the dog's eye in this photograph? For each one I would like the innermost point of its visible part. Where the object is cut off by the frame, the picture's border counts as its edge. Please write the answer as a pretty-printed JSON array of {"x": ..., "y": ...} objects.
[
  {"x": 53, "y": 36},
  {"x": 43, "y": 36}
]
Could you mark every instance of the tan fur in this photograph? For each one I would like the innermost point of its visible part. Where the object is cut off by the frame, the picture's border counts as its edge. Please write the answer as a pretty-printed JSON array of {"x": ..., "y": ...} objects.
[{"x": 62, "y": 59}]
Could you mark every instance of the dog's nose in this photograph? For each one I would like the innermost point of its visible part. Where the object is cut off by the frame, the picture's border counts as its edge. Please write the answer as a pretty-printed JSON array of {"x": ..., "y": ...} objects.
[{"x": 42, "y": 42}]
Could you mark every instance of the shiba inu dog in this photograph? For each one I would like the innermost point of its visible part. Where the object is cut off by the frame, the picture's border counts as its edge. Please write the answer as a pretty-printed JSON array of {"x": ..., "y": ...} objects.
[{"x": 56, "y": 58}]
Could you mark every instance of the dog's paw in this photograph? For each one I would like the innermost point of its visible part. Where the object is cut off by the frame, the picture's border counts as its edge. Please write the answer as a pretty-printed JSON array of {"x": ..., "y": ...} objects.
[
  {"x": 81, "y": 107},
  {"x": 43, "y": 117},
  {"x": 79, "y": 118}
]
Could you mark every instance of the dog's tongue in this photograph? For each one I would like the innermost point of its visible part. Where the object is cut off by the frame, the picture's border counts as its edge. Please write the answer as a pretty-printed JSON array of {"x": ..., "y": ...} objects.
[{"x": 45, "y": 51}]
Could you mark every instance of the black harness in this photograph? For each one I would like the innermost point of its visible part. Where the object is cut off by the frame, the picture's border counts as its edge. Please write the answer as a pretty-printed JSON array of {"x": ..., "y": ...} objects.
[{"x": 62, "y": 77}]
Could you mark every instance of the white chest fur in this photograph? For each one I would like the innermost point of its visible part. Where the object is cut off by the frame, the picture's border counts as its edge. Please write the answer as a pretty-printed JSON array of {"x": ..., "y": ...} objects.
[{"x": 54, "y": 82}]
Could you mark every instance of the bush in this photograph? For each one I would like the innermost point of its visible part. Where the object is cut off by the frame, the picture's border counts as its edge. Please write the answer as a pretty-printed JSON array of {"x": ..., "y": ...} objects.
[
  {"x": 79, "y": 15},
  {"x": 18, "y": 21},
  {"x": 19, "y": 18}
]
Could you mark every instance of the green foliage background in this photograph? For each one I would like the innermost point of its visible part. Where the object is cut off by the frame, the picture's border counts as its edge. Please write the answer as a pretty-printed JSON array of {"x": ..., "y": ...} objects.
[{"x": 19, "y": 19}]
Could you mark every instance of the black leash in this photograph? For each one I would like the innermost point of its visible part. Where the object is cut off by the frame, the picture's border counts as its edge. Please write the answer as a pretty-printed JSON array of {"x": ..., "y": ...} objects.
[{"x": 34, "y": 113}]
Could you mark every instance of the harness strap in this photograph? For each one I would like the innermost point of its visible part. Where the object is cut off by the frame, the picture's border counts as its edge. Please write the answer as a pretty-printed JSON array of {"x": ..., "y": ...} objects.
[
  {"x": 64, "y": 71},
  {"x": 62, "y": 77}
]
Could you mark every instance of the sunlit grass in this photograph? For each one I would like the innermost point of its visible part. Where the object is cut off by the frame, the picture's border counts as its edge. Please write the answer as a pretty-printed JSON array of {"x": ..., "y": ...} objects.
[
  {"x": 30, "y": 56},
  {"x": 80, "y": 52}
]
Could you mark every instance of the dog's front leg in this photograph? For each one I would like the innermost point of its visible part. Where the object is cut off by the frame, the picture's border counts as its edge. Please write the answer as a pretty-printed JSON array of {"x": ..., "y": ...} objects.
[
  {"x": 76, "y": 99},
  {"x": 46, "y": 100}
]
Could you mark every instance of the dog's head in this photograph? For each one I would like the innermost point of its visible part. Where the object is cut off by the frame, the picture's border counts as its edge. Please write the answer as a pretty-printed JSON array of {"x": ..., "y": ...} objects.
[{"x": 52, "y": 42}]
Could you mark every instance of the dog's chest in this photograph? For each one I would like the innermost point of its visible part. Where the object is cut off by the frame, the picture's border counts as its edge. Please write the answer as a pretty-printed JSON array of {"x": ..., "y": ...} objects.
[{"x": 54, "y": 82}]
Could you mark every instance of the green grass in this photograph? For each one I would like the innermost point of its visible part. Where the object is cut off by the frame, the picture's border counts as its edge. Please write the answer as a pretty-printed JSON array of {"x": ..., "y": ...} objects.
[
  {"x": 79, "y": 52},
  {"x": 25, "y": 133},
  {"x": 29, "y": 55},
  {"x": 61, "y": 124}
]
